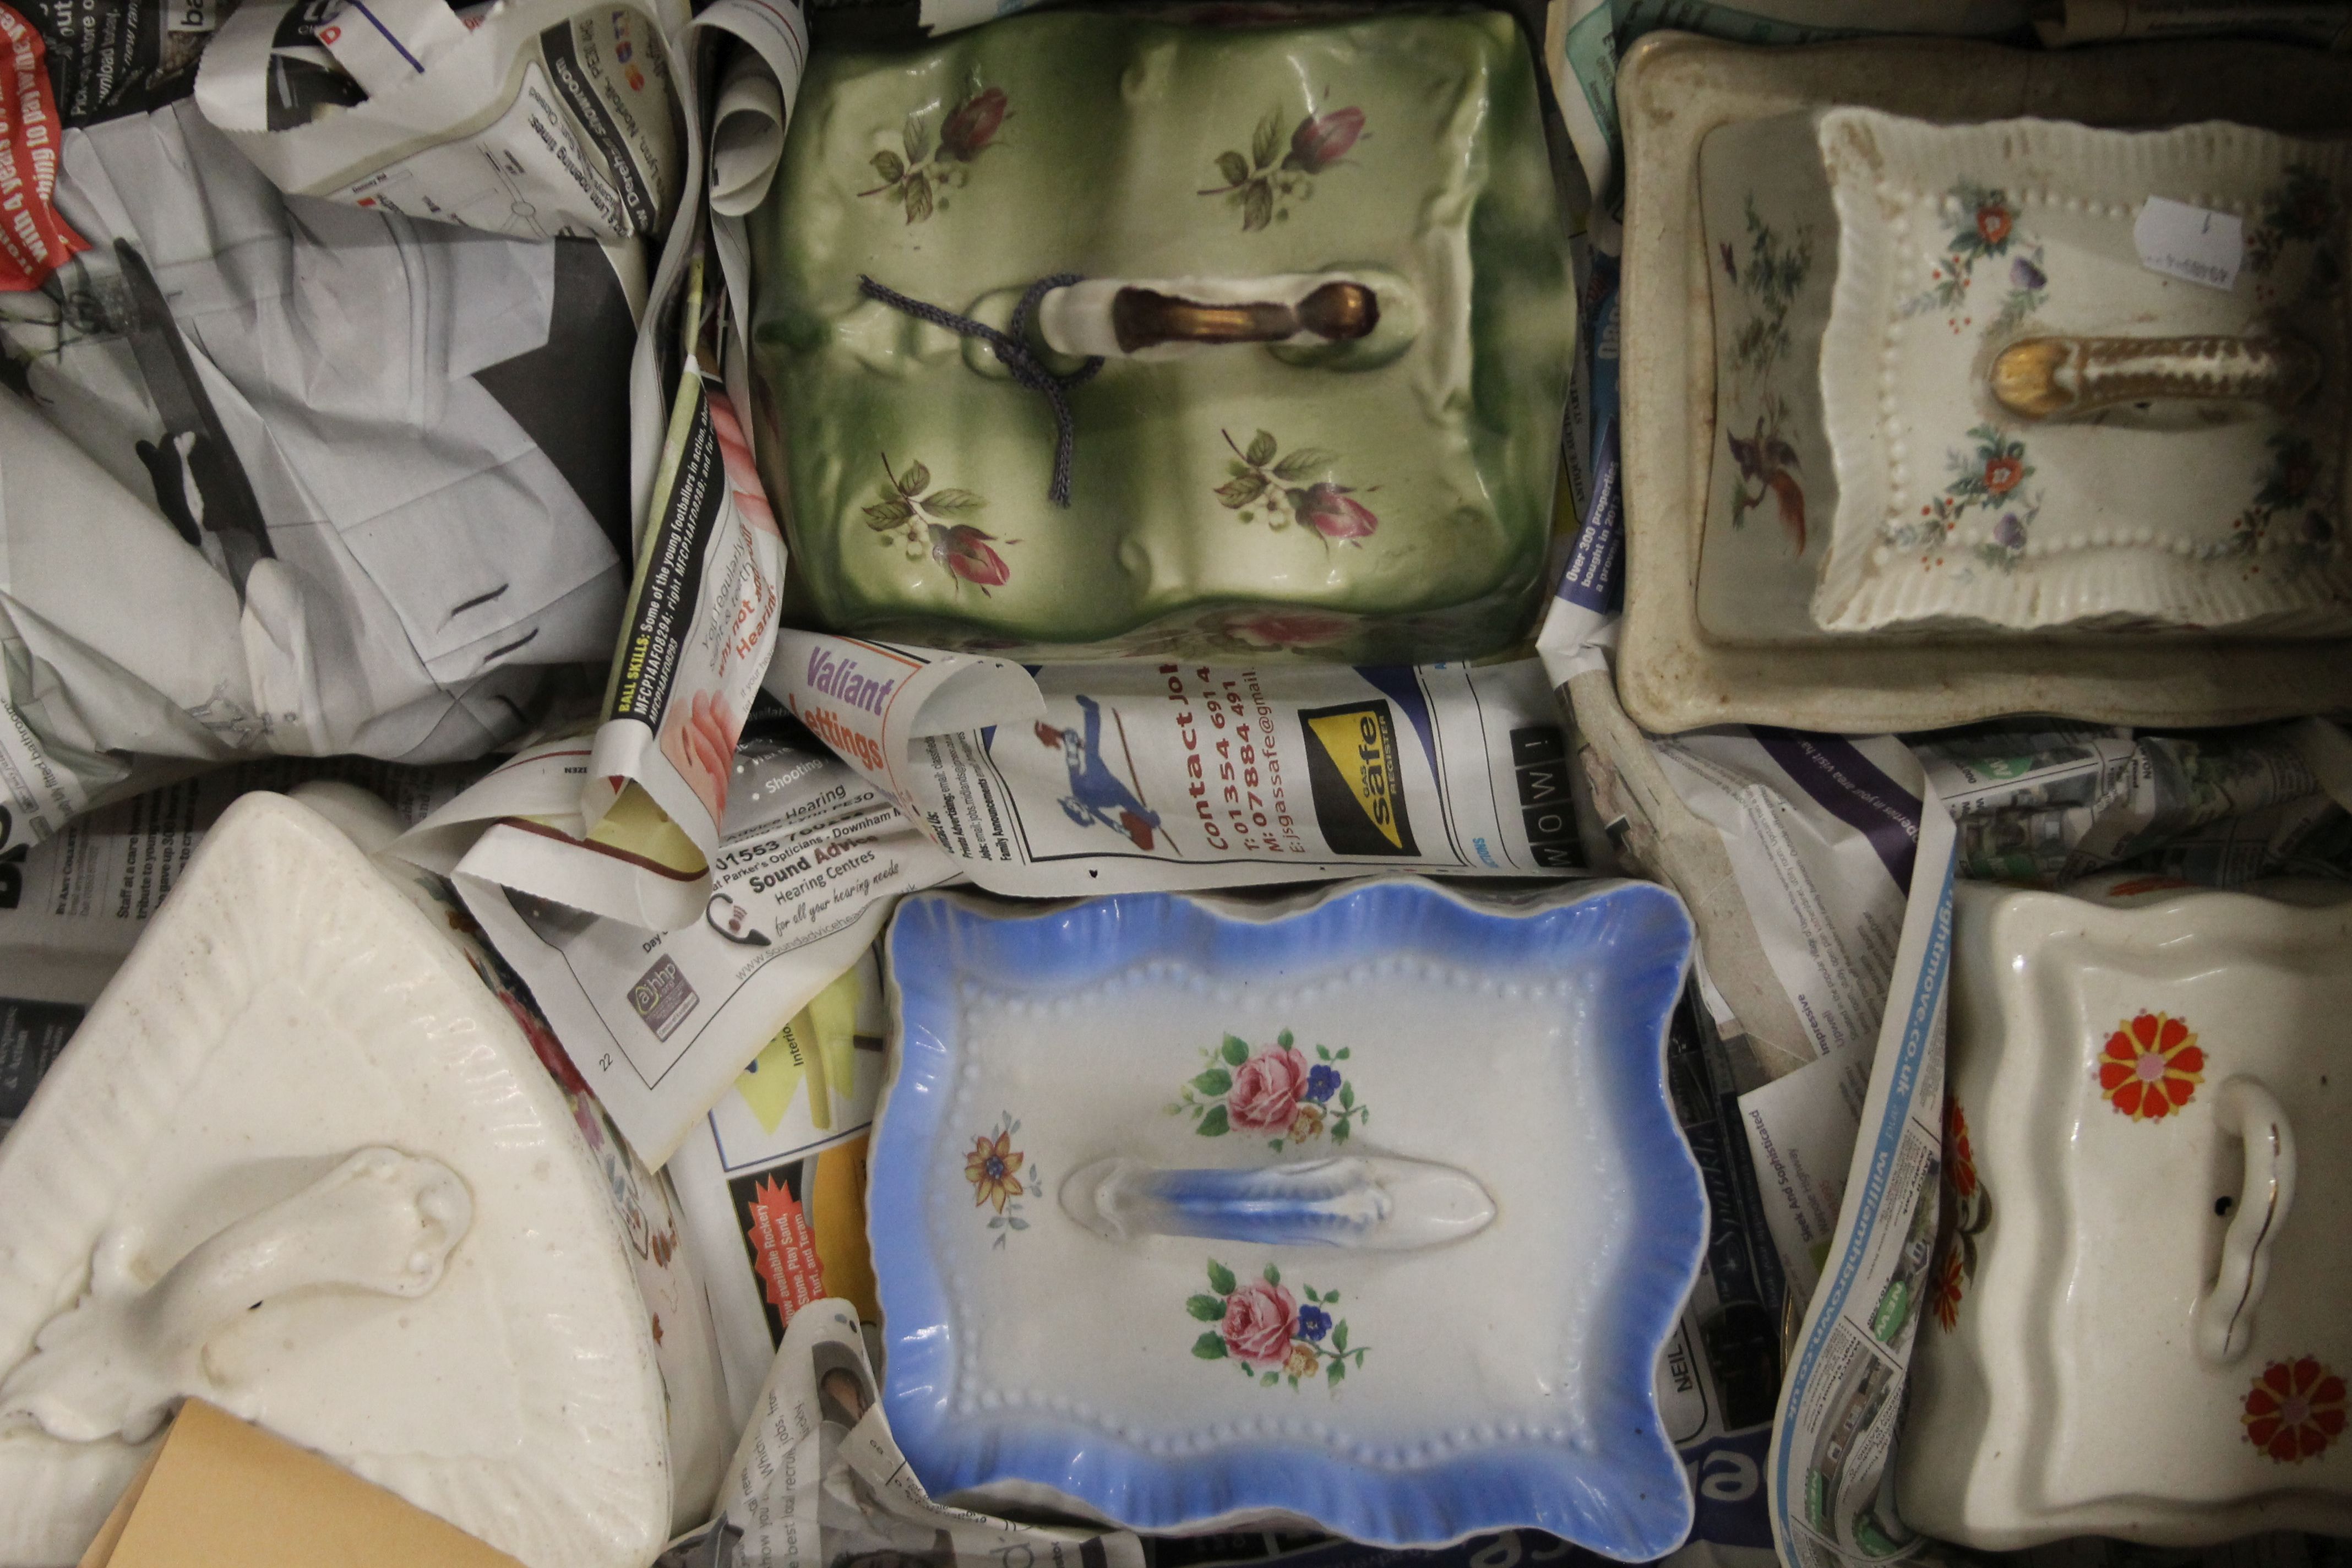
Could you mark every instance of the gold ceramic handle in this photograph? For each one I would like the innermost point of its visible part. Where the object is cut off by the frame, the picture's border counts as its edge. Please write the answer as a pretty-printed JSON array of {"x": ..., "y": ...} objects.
[
  {"x": 1336, "y": 312},
  {"x": 2067, "y": 378}
]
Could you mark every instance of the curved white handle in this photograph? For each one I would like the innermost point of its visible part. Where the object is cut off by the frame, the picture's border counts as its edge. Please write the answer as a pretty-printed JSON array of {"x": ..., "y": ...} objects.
[{"x": 2225, "y": 1318}]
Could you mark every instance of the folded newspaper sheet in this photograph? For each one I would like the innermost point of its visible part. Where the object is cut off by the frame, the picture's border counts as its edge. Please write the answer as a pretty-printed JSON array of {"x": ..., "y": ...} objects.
[
  {"x": 1103, "y": 778},
  {"x": 818, "y": 1482},
  {"x": 659, "y": 1023},
  {"x": 772, "y": 1183},
  {"x": 538, "y": 118}
]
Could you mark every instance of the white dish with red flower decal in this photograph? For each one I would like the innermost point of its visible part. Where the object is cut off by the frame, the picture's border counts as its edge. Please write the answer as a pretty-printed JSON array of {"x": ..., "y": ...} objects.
[
  {"x": 1366, "y": 1210},
  {"x": 1916, "y": 432},
  {"x": 2138, "y": 1323}
]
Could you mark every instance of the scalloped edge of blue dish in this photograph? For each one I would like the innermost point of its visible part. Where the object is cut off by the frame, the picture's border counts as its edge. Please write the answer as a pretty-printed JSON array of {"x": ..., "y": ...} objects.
[{"x": 1629, "y": 1499}]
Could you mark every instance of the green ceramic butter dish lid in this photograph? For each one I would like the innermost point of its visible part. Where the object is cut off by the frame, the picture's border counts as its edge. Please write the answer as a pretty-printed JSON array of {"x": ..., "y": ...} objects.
[{"x": 1284, "y": 310}]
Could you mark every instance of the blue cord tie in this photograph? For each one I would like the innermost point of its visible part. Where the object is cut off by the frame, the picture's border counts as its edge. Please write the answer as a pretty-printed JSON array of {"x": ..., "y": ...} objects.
[{"x": 1028, "y": 367}]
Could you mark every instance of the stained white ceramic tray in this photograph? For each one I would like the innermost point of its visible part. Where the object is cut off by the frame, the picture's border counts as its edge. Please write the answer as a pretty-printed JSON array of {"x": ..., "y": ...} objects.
[
  {"x": 1189, "y": 1381},
  {"x": 1673, "y": 90}
]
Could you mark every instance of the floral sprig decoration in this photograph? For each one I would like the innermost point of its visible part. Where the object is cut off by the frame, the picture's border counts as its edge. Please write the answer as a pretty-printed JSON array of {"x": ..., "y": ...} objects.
[
  {"x": 1002, "y": 1175},
  {"x": 1984, "y": 225},
  {"x": 1274, "y": 1091},
  {"x": 1264, "y": 482},
  {"x": 909, "y": 511},
  {"x": 931, "y": 168},
  {"x": 1271, "y": 174},
  {"x": 1775, "y": 270},
  {"x": 2302, "y": 209},
  {"x": 1270, "y": 1333}
]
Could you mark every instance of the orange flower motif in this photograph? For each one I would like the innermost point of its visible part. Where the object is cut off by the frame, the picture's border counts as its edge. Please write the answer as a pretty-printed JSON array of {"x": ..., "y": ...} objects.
[
  {"x": 1944, "y": 1290},
  {"x": 2294, "y": 1410},
  {"x": 1992, "y": 223},
  {"x": 991, "y": 1169},
  {"x": 1960, "y": 1156},
  {"x": 2151, "y": 1067},
  {"x": 2002, "y": 473}
]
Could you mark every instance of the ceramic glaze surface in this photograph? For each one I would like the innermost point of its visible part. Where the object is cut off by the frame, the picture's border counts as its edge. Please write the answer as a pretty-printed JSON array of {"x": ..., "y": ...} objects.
[
  {"x": 2097, "y": 1181},
  {"x": 1412, "y": 1395},
  {"x": 286, "y": 1009},
  {"x": 1868, "y": 271},
  {"x": 1389, "y": 497}
]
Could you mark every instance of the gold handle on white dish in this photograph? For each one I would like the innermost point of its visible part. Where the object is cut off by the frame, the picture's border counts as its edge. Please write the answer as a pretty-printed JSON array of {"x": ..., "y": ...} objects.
[
  {"x": 2072, "y": 377},
  {"x": 2225, "y": 1318}
]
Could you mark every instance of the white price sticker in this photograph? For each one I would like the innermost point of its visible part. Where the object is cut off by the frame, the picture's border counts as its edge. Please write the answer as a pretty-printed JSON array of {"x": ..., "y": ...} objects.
[{"x": 2190, "y": 243}]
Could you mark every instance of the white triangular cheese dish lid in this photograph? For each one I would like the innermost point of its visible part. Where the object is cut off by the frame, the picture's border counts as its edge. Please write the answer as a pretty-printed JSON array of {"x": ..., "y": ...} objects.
[{"x": 286, "y": 1010}]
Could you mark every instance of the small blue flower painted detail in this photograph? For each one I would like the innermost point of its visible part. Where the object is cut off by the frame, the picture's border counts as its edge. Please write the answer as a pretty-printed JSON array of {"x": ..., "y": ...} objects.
[
  {"x": 1314, "y": 1322},
  {"x": 1322, "y": 1083}
]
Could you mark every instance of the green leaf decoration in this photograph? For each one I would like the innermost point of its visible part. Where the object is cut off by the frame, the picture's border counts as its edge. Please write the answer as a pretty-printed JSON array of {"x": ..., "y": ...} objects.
[
  {"x": 888, "y": 165},
  {"x": 1257, "y": 206},
  {"x": 1234, "y": 167},
  {"x": 1274, "y": 1144},
  {"x": 1019, "y": 1224},
  {"x": 1339, "y": 1336},
  {"x": 1216, "y": 1080},
  {"x": 1303, "y": 462},
  {"x": 1335, "y": 1371},
  {"x": 1260, "y": 452},
  {"x": 1269, "y": 1380},
  {"x": 1346, "y": 1051},
  {"x": 1286, "y": 1039},
  {"x": 1214, "y": 1124},
  {"x": 915, "y": 479},
  {"x": 997, "y": 1224},
  {"x": 1323, "y": 1053},
  {"x": 1272, "y": 1275},
  {"x": 1208, "y": 1308},
  {"x": 915, "y": 139},
  {"x": 1236, "y": 1049},
  {"x": 1308, "y": 1291},
  {"x": 1293, "y": 1382},
  {"x": 1221, "y": 1279},
  {"x": 1330, "y": 1298},
  {"x": 1347, "y": 1097},
  {"x": 1338, "y": 1132},
  {"x": 1239, "y": 492},
  {"x": 918, "y": 198},
  {"x": 954, "y": 502},
  {"x": 1268, "y": 141},
  {"x": 883, "y": 516},
  {"x": 1210, "y": 1346}
]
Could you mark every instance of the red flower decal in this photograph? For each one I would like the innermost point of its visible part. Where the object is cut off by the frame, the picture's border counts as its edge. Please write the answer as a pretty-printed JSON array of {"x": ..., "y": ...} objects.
[
  {"x": 1944, "y": 1289},
  {"x": 1992, "y": 223},
  {"x": 2294, "y": 1410},
  {"x": 2151, "y": 1067},
  {"x": 1274, "y": 628},
  {"x": 964, "y": 550},
  {"x": 972, "y": 125},
  {"x": 1322, "y": 139},
  {"x": 1959, "y": 1157},
  {"x": 1326, "y": 509},
  {"x": 2002, "y": 473}
]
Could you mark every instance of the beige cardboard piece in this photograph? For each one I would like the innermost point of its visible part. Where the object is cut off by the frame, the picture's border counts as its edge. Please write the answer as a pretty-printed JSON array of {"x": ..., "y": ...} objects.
[{"x": 220, "y": 1493}]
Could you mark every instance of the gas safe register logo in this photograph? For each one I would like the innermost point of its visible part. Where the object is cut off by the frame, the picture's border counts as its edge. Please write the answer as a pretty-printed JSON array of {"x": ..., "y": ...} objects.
[{"x": 1352, "y": 766}]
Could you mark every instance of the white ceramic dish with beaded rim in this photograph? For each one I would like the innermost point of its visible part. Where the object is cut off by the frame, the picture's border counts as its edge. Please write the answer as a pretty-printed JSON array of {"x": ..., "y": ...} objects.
[
  {"x": 1399, "y": 1371},
  {"x": 1672, "y": 675}
]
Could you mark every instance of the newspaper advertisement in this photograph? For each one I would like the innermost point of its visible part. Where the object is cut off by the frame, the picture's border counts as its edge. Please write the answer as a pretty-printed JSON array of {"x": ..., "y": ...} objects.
[
  {"x": 1107, "y": 778},
  {"x": 535, "y": 120},
  {"x": 818, "y": 1480},
  {"x": 660, "y": 1024},
  {"x": 772, "y": 1183},
  {"x": 694, "y": 642},
  {"x": 1832, "y": 1470}
]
